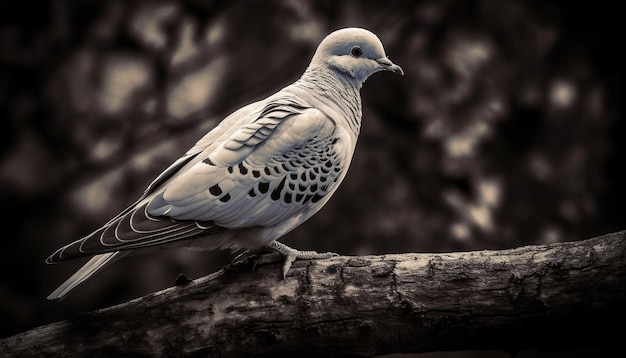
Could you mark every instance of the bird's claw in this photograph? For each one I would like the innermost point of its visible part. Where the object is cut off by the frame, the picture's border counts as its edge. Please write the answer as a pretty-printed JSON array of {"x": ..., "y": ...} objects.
[
  {"x": 291, "y": 255},
  {"x": 280, "y": 251}
]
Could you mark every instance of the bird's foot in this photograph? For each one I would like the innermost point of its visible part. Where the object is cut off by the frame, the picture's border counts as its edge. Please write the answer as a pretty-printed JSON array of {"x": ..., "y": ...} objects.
[{"x": 290, "y": 255}]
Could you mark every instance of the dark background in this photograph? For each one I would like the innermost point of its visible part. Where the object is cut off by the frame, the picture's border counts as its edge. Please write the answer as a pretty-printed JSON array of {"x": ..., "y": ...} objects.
[{"x": 505, "y": 131}]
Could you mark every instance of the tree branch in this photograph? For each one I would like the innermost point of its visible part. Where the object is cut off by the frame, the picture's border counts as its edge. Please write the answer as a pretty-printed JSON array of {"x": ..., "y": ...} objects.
[{"x": 558, "y": 296}]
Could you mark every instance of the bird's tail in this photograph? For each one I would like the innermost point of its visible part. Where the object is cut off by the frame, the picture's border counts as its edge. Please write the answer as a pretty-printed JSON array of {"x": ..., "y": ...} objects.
[{"x": 94, "y": 265}]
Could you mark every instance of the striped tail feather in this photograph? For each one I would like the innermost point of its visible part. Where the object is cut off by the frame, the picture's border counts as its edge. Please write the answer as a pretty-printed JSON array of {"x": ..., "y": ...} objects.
[
  {"x": 94, "y": 265},
  {"x": 135, "y": 229}
]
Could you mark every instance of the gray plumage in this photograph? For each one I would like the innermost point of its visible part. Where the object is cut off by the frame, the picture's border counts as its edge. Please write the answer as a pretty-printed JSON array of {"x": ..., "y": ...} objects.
[{"x": 260, "y": 173}]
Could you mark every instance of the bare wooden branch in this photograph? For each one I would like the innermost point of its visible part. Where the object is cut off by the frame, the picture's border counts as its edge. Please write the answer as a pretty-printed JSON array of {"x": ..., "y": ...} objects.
[{"x": 558, "y": 296}]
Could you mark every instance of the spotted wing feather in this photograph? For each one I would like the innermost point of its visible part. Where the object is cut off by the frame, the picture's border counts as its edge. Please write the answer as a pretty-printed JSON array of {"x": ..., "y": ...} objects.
[{"x": 255, "y": 177}]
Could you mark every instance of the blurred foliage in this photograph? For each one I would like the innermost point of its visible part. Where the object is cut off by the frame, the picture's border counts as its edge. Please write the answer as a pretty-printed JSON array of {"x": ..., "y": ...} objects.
[{"x": 505, "y": 131}]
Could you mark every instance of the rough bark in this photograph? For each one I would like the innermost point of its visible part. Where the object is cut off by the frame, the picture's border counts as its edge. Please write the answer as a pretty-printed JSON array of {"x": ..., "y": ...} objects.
[{"x": 559, "y": 296}]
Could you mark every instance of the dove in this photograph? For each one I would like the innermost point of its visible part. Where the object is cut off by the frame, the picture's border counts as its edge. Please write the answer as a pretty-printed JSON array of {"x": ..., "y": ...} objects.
[{"x": 262, "y": 171}]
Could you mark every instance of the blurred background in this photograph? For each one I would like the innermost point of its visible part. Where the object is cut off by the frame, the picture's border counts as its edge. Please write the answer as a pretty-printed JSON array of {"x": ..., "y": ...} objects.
[{"x": 505, "y": 131}]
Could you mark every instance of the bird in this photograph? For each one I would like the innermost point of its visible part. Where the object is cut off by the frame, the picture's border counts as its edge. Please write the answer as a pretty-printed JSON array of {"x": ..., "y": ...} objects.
[{"x": 262, "y": 171}]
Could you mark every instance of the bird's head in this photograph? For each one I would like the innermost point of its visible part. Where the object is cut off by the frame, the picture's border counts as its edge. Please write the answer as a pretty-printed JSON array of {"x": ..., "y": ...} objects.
[{"x": 354, "y": 52}]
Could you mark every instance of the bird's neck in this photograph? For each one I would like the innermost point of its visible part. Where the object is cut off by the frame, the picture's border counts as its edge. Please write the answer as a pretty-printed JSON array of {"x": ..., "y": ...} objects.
[{"x": 336, "y": 91}]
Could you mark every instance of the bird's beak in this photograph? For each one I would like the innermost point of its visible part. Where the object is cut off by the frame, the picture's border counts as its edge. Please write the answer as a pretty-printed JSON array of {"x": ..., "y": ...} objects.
[{"x": 387, "y": 65}]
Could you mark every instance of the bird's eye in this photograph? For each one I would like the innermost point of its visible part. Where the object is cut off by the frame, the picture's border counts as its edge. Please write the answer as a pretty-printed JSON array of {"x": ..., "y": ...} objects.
[{"x": 356, "y": 51}]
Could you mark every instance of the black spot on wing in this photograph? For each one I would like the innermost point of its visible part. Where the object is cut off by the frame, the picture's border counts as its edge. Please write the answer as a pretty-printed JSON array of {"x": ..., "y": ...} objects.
[
  {"x": 215, "y": 190},
  {"x": 316, "y": 198},
  {"x": 242, "y": 169},
  {"x": 225, "y": 198},
  {"x": 264, "y": 187},
  {"x": 278, "y": 190},
  {"x": 208, "y": 161}
]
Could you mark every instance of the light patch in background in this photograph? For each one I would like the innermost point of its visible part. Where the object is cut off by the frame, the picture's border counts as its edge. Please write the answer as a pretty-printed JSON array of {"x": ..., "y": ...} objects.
[
  {"x": 145, "y": 160},
  {"x": 437, "y": 127},
  {"x": 215, "y": 33},
  {"x": 490, "y": 192},
  {"x": 187, "y": 47},
  {"x": 148, "y": 24},
  {"x": 460, "y": 231},
  {"x": 550, "y": 235},
  {"x": 190, "y": 47},
  {"x": 196, "y": 90},
  {"x": 563, "y": 93},
  {"x": 309, "y": 31},
  {"x": 489, "y": 195},
  {"x": 464, "y": 144},
  {"x": 122, "y": 76},
  {"x": 308, "y": 28},
  {"x": 460, "y": 145},
  {"x": 478, "y": 213},
  {"x": 468, "y": 56},
  {"x": 493, "y": 110},
  {"x": 105, "y": 148},
  {"x": 95, "y": 198}
]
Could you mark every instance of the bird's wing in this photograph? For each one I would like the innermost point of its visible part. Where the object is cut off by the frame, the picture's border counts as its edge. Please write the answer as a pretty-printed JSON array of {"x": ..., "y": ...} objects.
[
  {"x": 258, "y": 173},
  {"x": 264, "y": 173}
]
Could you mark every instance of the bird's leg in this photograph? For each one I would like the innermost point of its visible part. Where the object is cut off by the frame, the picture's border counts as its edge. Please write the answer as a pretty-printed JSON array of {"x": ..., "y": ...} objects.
[{"x": 290, "y": 255}]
